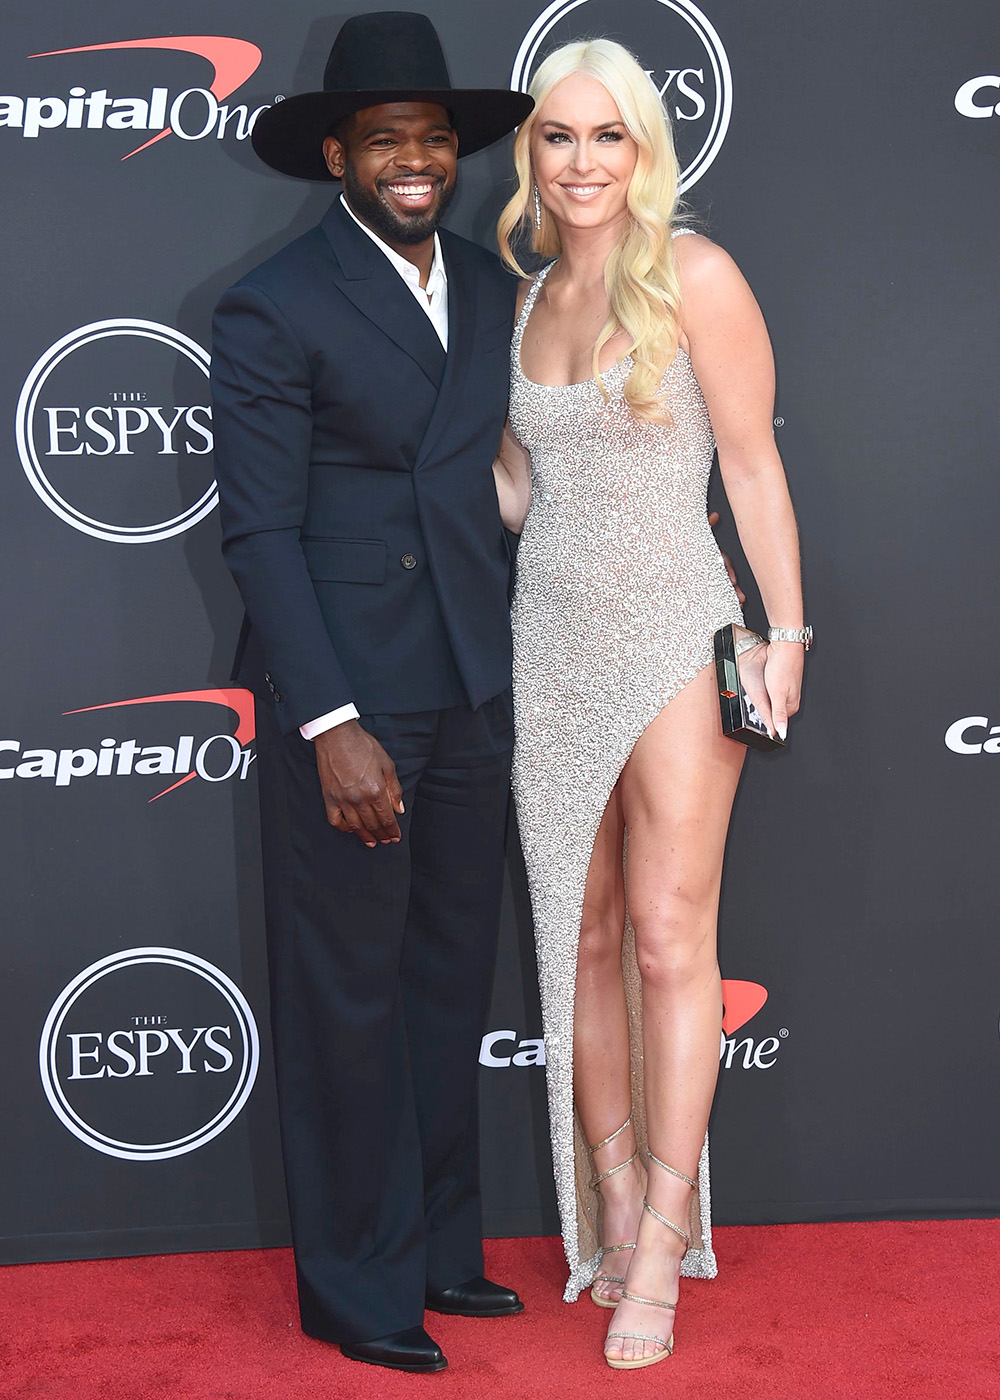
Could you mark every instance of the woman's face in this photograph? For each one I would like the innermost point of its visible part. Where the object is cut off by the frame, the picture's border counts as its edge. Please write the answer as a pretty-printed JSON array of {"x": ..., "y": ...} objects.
[{"x": 583, "y": 156}]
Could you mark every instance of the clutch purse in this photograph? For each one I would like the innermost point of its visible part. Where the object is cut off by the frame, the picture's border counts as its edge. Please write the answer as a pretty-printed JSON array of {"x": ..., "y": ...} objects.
[{"x": 739, "y": 667}]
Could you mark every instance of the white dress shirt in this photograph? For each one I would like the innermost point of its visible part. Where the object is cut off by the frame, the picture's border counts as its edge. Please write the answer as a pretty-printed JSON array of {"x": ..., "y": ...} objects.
[{"x": 434, "y": 301}]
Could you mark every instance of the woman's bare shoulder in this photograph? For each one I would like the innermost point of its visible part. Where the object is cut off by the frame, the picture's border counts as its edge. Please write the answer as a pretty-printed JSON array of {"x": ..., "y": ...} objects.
[
  {"x": 715, "y": 296},
  {"x": 709, "y": 278},
  {"x": 697, "y": 256}
]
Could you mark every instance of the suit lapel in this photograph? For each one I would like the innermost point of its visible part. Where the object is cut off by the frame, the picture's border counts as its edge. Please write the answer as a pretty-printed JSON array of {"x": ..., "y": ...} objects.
[
  {"x": 462, "y": 308},
  {"x": 375, "y": 287}
]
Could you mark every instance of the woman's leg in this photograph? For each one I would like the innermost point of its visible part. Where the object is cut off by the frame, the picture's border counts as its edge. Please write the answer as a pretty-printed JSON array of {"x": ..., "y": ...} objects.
[
  {"x": 601, "y": 1079},
  {"x": 677, "y": 793}
]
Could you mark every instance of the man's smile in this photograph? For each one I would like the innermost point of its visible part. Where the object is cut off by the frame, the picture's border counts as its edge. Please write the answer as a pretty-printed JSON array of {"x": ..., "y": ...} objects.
[{"x": 410, "y": 193}]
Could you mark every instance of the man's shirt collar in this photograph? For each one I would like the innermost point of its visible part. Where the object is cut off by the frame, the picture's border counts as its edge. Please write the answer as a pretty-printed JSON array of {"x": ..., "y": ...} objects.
[{"x": 437, "y": 278}]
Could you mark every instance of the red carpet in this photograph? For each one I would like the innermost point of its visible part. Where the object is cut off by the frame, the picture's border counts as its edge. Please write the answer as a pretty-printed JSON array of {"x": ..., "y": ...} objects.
[{"x": 874, "y": 1311}]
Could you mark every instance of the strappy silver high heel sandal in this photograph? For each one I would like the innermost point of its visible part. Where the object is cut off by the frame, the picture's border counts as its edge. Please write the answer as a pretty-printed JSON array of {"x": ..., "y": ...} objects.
[
  {"x": 666, "y": 1344},
  {"x": 611, "y": 1248}
]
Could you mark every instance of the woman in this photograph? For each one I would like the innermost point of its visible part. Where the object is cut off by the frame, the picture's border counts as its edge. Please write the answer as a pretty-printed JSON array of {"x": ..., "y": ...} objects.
[{"x": 632, "y": 349}]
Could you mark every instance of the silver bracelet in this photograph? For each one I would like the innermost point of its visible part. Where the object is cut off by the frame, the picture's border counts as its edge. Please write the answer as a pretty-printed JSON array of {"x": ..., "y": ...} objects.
[{"x": 791, "y": 634}]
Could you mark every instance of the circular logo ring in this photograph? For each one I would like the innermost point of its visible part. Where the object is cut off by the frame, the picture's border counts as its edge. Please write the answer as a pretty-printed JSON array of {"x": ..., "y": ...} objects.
[
  {"x": 33, "y": 470},
  {"x": 706, "y": 32},
  {"x": 158, "y": 1151}
]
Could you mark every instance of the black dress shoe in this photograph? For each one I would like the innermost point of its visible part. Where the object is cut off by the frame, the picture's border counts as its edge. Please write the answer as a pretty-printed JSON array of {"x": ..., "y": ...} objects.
[
  {"x": 409, "y": 1350},
  {"x": 476, "y": 1298}
]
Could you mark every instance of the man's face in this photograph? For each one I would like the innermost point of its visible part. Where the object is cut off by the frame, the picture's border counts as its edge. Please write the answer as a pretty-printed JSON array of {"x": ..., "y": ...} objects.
[{"x": 399, "y": 165}]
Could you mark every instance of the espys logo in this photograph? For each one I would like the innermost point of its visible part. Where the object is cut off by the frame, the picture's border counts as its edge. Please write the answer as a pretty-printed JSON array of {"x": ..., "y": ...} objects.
[
  {"x": 974, "y": 734},
  {"x": 149, "y": 1054},
  {"x": 192, "y": 114},
  {"x": 979, "y": 97},
  {"x": 214, "y": 759},
  {"x": 134, "y": 394},
  {"x": 741, "y": 1002},
  {"x": 679, "y": 47}
]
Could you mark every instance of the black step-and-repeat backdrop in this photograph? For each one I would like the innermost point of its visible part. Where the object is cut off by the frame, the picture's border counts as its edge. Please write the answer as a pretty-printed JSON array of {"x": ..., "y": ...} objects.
[{"x": 846, "y": 155}]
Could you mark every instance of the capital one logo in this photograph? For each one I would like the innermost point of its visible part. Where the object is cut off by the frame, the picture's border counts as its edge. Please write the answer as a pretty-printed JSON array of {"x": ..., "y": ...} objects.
[
  {"x": 191, "y": 114},
  {"x": 979, "y": 97},
  {"x": 114, "y": 431},
  {"x": 501, "y": 1049},
  {"x": 741, "y": 1002},
  {"x": 678, "y": 46},
  {"x": 215, "y": 759},
  {"x": 974, "y": 735},
  {"x": 148, "y": 1054}
]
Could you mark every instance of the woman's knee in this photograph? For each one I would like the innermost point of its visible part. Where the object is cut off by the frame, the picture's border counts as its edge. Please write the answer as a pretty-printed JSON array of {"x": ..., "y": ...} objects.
[
  {"x": 675, "y": 943},
  {"x": 601, "y": 933}
]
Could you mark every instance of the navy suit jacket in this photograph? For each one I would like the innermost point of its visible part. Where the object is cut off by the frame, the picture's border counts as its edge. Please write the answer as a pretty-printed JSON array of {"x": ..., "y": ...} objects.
[{"x": 354, "y": 461}]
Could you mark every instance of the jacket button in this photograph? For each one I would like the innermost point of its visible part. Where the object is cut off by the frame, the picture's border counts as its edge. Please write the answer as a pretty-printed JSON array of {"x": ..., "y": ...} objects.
[
  {"x": 409, "y": 561},
  {"x": 277, "y": 698}
]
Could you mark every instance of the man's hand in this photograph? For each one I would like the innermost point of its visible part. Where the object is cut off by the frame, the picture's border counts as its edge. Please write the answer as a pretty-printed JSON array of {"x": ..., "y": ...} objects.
[
  {"x": 359, "y": 783},
  {"x": 713, "y": 520}
]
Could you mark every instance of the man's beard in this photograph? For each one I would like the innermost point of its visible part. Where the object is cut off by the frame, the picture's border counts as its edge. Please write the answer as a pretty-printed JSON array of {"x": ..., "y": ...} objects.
[{"x": 391, "y": 227}]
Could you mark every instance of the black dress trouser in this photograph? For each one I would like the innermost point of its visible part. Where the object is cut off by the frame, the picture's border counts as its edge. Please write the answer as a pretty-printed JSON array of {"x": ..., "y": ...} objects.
[{"x": 380, "y": 965}]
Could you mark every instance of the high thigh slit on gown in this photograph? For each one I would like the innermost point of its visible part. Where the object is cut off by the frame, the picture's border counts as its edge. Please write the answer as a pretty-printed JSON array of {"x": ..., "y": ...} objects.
[{"x": 619, "y": 587}]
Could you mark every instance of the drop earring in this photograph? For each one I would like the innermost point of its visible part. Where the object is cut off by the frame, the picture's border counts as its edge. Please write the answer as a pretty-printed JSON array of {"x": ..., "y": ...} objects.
[{"x": 538, "y": 209}]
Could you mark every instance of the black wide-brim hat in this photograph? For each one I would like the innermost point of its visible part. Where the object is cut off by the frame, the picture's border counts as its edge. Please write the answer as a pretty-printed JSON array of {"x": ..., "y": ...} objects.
[{"x": 391, "y": 56}]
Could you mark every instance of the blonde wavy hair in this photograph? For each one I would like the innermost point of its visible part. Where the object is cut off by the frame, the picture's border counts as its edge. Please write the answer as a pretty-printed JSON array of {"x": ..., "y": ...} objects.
[{"x": 640, "y": 276}]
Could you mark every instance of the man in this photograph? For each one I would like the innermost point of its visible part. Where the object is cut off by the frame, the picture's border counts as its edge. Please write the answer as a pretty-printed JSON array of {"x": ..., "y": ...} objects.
[{"x": 360, "y": 390}]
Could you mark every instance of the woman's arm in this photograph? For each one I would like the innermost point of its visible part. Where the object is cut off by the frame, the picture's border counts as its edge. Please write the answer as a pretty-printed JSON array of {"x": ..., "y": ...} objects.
[
  {"x": 512, "y": 472},
  {"x": 730, "y": 351}
]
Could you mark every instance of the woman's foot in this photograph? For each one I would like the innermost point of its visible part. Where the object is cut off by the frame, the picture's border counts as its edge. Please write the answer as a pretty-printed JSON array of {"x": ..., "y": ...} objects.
[
  {"x": 654, "y": 1274},
  {"x": 623, "y": 1195},
  {"x": 652, "y": 1282}
]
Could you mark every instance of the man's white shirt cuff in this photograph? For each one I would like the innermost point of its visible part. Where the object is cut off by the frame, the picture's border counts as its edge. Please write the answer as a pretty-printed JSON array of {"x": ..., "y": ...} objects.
[{"x": 329, "y": 721}]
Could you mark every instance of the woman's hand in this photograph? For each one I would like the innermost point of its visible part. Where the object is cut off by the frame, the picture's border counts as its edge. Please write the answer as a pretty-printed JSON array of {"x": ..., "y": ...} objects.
[{"x": 783, "y": 682}]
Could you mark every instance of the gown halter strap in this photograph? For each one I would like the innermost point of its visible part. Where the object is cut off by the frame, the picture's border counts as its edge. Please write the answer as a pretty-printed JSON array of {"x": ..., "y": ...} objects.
[{"x": 528, "y": 303}]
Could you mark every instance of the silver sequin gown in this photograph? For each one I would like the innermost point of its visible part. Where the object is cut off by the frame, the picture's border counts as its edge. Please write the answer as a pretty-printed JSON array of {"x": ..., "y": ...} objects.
[{"x": 620, "y": 585}]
